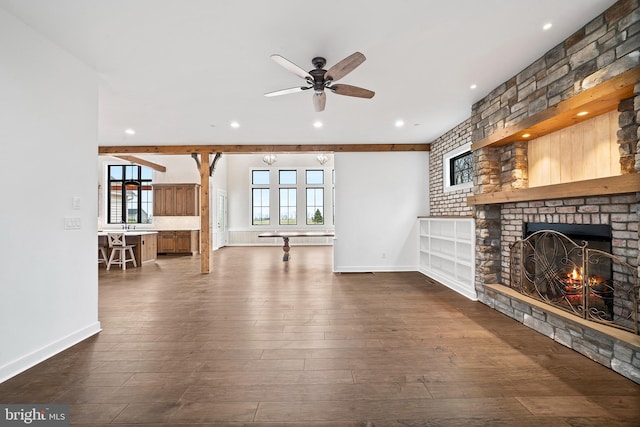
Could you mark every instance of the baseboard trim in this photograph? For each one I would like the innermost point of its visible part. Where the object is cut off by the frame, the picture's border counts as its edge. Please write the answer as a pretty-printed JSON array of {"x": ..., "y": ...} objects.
[
  {"x": 375, "y": 269},
  {"x": 27, "y": 361},
  {"x": 460, "y": 288}
]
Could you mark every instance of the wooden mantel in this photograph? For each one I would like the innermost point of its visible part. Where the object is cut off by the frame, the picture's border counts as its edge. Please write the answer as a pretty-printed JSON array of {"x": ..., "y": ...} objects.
[
  {"x": 629, "y": 183},
  {"x": 597, "y": 100}
]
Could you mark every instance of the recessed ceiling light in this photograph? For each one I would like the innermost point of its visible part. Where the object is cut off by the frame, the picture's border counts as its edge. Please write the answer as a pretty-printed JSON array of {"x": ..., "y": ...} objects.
[
  {"x": 526, "y": 135},
  {"x": 317, "y": 124},
  {"x": 399, "y": 123},
  {"x": 473, "y": 86},
  {"x": 130, "y": 131},
  {"x": 547, "y": 26},
  {"x": 234, "y": 125},
  {"x": 582, "y": 113}
]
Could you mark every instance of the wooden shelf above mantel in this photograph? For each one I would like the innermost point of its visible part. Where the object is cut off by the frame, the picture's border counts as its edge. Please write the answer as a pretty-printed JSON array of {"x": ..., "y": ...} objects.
[
  {"x": 597, "y": 100},
  {"x": 629, "y": 183}
]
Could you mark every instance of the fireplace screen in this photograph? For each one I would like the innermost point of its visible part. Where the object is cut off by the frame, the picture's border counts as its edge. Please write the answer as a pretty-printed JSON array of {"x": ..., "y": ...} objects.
[{"x": 588, "y": 282}]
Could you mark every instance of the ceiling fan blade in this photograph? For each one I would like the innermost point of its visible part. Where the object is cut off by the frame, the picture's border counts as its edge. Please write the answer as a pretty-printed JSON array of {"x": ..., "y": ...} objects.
[
  {"x": 287, "y": 91},
  {"x": 349, "y": 90},
  {"x": 345, "y": 66},
  {"x": 291, "y": 67},
  {"x": 319, "y": 101}
]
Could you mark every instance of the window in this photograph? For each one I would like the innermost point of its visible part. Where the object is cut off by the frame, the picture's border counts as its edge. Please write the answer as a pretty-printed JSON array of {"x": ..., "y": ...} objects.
[
  {"x": 288, "y": 212},
  {"x": 301, "y": 197},
  {"x": 287, "y": 177},
  {"x": 461, "y": 169},
  {"x": 288, "y": 197},
  {"x": 130, "y": 198},
  {"x": 315, "y": 197},
  {"x": 315, "y": 177},
  {"x": 260, "y": 197},
  {"x": 458, "y": 169},
  {"x": 315, "y": 206}
]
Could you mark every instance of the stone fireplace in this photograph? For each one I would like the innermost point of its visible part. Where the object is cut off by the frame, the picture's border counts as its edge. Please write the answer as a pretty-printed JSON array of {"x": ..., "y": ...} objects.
[{"x": 595, "y": 71}]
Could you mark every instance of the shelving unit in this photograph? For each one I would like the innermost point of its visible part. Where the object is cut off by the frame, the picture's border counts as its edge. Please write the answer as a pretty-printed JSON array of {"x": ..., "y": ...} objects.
[{"x": 447, "y": 252}]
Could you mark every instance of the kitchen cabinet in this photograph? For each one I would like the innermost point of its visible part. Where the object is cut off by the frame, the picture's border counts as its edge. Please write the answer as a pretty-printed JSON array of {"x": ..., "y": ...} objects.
[
  {"x": 179, "y": 242},
  {"x": 176, "y": 199},
  {"x": 149, "y": 247}
]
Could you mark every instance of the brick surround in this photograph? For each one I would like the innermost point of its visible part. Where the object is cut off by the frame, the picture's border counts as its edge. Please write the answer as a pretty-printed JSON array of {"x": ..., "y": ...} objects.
[{"x": 604, "y": 48}]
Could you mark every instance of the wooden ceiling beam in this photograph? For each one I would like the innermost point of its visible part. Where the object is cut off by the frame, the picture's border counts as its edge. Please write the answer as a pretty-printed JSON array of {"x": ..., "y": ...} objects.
[
  {"x": 119, "y": 150},
  {"x": 143, "y": 162}
]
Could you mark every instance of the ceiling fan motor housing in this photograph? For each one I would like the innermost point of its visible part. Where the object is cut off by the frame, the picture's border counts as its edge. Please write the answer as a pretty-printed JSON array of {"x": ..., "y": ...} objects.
[{"x": 318, "y": 74}]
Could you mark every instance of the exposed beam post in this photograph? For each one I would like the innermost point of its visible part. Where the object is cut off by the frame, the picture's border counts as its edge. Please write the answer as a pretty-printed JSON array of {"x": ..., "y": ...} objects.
[
  {"x": 205, "y": 231},
  {"x": 194, "y": 156},
  {"x": 214, "y": 162}
]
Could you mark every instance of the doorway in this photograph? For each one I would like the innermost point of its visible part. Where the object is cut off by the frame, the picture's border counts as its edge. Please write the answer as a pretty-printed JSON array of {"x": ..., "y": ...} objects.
[{"x": 221, "y": 237}]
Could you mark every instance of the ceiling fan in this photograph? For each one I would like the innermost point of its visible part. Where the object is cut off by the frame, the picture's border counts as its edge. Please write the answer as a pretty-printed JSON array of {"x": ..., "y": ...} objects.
[{"x": 320, "y": 79}]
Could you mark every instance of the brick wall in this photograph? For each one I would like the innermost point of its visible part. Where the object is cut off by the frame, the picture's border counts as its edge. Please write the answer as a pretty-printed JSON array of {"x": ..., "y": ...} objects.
[{"x": 450, "y": 203}]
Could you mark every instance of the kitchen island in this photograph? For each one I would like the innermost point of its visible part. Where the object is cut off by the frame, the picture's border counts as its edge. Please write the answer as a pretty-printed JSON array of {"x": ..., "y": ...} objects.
[{"x": 145, "y": 241}]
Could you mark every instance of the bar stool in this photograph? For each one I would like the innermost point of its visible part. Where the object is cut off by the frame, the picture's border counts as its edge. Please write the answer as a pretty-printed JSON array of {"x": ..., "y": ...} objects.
[
  {"x": 102, "y": 254},
  {"x": 117, "y": 243}
]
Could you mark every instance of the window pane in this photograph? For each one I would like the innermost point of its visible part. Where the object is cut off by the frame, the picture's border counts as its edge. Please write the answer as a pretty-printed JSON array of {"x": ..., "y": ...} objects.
[
  {"x": 147, "y": 205},
  {"x": 288, "y": 212},
  {"x": 115, "y": 172},
  {"x": 260, "y": 206},
  {"x": 260, "y": 177},
  {"x": 287, "y": 177},
  {"x": 315, "y": 206},
  {"x": 315, "y": 177},
  {"x": 131, "y": 194},
  {"x": 146, "y": 173},
  {"x": 115, "y": 211},
  {"x": 131, "y": 172}
]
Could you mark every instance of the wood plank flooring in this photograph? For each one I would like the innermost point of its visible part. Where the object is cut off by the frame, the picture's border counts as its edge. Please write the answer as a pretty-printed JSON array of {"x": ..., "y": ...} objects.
[{"x": 262, "y": 343}]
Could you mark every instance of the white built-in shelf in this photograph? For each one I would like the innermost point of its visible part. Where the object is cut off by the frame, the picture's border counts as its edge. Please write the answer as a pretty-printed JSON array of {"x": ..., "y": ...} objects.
[{"x": 447, "y": 247}]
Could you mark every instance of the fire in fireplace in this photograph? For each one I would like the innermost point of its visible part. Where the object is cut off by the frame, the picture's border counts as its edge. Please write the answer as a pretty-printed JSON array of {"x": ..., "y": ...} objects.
[{"x": 576, "y": 272}]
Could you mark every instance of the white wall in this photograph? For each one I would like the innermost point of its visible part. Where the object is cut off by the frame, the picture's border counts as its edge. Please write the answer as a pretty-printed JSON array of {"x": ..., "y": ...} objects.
[
  {"x": 181, "y": 169},
  {"x": 378, "y": 199},
  {"x": 48, "y": 134}
]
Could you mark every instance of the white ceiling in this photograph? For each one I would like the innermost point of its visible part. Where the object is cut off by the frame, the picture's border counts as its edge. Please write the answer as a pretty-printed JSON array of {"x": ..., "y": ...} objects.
[{"x": 179, "y": 71}]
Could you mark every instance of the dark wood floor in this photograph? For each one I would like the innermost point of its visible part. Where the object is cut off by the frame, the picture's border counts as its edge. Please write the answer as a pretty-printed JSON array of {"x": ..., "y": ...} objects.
[{"x": 259, "y": 342}]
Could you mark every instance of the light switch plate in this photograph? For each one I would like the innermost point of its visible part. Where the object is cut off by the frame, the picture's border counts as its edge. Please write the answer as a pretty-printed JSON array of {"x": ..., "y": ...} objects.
[
  {"x": 75, "y": 202},
  {"x": 72, "y": 223}
]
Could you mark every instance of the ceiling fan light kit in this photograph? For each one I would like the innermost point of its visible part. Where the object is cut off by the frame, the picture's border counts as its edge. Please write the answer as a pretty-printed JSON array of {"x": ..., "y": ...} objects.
[{"x": 320, "y": 79}]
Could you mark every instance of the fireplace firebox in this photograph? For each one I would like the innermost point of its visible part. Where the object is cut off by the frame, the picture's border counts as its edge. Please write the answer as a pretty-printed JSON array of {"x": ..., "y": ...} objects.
[{"x": 570, "y": 266}]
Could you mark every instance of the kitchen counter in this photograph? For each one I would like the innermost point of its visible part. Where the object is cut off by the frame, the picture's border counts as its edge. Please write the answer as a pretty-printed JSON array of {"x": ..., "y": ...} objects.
[
  {"x": 145, "y": 241},
  {"x": 127, "y": 232}
]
